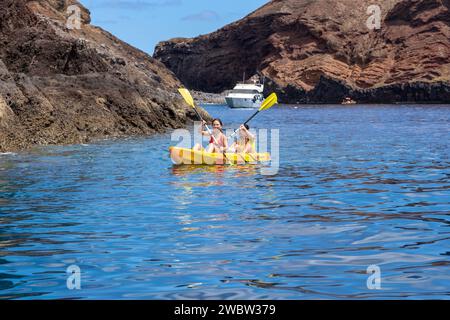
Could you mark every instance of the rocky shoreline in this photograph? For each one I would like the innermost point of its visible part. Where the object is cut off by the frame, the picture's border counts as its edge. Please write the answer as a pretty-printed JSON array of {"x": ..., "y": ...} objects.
[
  {"x": 333, "y": 91},
  {"x": 322, "y": 51},
  {"x": 209, "y": 97},
  {"x": 66, "y": 86}
]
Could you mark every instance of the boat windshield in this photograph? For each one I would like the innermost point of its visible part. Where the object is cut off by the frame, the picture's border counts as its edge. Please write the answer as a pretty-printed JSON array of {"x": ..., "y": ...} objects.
[{"x": 245, "y": 91}]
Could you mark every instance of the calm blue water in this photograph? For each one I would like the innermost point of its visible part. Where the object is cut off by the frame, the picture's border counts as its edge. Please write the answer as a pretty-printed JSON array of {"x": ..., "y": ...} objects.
[{"x": 357, "y": 186}]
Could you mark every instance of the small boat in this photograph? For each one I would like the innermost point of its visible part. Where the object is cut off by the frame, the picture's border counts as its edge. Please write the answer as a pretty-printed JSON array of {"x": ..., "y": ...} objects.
[
  {"x": 246, "y": 95},
  {"x": 348, "y": 100},
  {"x": 188, "y": 156}
]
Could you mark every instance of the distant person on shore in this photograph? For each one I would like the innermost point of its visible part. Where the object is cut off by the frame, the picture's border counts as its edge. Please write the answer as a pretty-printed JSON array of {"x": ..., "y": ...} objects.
[
  {"x": 246, "y": 141},
  {"x": 218, "y": 141},
  {"x": 348, "y": 100}
]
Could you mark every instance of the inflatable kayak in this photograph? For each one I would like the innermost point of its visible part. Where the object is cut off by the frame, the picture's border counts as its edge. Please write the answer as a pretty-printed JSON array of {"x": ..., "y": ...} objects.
[{"x": 189, "y": 156}]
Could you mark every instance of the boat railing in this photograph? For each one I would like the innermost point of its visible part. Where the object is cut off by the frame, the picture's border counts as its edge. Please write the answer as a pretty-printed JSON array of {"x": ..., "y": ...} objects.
[{"x": 256, "y": 83}]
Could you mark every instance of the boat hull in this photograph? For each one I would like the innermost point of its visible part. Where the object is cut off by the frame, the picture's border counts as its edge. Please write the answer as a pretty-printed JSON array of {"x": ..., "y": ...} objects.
[
  {"x": 242, "y": 103},
  {"x": 181, "y": 156}
]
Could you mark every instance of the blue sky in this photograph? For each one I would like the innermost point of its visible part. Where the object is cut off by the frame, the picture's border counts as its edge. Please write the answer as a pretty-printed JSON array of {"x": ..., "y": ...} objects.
[{"x": 143, "y": 23}]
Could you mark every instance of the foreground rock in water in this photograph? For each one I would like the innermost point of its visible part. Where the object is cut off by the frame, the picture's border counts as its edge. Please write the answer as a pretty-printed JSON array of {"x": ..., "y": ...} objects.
[
  {"x": 59, "y": 85},
  {"x": 321, "y": 51}
]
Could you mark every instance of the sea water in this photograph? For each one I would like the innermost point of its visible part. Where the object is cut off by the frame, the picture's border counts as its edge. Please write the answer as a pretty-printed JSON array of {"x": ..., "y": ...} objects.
[{"x": 360, "y": 192}]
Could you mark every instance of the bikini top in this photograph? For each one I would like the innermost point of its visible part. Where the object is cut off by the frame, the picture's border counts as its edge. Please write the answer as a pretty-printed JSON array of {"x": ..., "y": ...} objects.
[{"x": 220, "y": 141}]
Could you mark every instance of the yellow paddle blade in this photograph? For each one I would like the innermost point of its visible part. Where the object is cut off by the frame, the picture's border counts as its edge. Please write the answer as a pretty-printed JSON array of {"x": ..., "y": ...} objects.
[
  {"x": 269, "y": 102},
  {"x": 187, "y": 96}
]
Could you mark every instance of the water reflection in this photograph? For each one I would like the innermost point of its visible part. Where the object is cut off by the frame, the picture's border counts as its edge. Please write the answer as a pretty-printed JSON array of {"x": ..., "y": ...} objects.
[
  {"x": 216, "y": 170},
  {"x": 351, "y": 191}
]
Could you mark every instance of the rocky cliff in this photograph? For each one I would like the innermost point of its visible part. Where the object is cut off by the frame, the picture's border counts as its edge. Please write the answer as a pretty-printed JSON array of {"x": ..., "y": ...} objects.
[
  {"x": 323, "y": 50},
  {"x": 61, "y": 85}
]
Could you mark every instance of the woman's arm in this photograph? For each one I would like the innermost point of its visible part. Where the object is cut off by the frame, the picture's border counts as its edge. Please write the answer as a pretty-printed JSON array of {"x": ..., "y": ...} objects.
[
  {"x": 249, "y": 134},
  {"x": 203, "y": 132}
]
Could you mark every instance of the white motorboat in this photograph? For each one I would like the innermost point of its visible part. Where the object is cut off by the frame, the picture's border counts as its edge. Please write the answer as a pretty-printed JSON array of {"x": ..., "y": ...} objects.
[{"x": 246, "y": 95}]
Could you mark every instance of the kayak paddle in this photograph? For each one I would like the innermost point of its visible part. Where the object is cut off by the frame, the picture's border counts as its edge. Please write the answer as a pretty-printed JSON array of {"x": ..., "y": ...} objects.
[
  {"x": 267, "y": 104},
  {"x": 190, "y": 101}
]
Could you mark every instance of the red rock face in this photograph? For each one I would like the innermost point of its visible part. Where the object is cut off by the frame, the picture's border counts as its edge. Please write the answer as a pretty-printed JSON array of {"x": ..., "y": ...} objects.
[
  {"x": 60, "y": 85},
  {"x": 323, "y": 50}
]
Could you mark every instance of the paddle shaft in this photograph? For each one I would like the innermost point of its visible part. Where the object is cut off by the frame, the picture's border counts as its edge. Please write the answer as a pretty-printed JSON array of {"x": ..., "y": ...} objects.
[
  {"x": 235, "y": 139},
  {"x": 207, "y": 128},
  {"x": 269, "y": 102},
  {"x": 248, "y": 120},
  {"x": 210, "y": 133},
  {"x": 235, "y": 131},
  {"x": 251, "y": 117}
]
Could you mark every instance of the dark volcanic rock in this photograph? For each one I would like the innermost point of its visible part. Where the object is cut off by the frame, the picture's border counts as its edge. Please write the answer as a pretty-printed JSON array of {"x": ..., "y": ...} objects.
[
  {"x": 61, "y": 86},
  {"x": 322, "y": 50},
  {"x": 209, "y": 98}
]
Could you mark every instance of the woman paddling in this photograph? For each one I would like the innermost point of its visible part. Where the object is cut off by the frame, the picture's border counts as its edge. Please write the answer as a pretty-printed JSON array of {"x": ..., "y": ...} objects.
[
  {"x": 218, "y": 141},
  {"x": 246, "y": 141}
]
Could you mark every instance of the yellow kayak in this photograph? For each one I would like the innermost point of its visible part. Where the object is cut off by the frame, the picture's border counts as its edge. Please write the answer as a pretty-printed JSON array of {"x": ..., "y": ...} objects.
[{"x": 189, "y": 156}]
